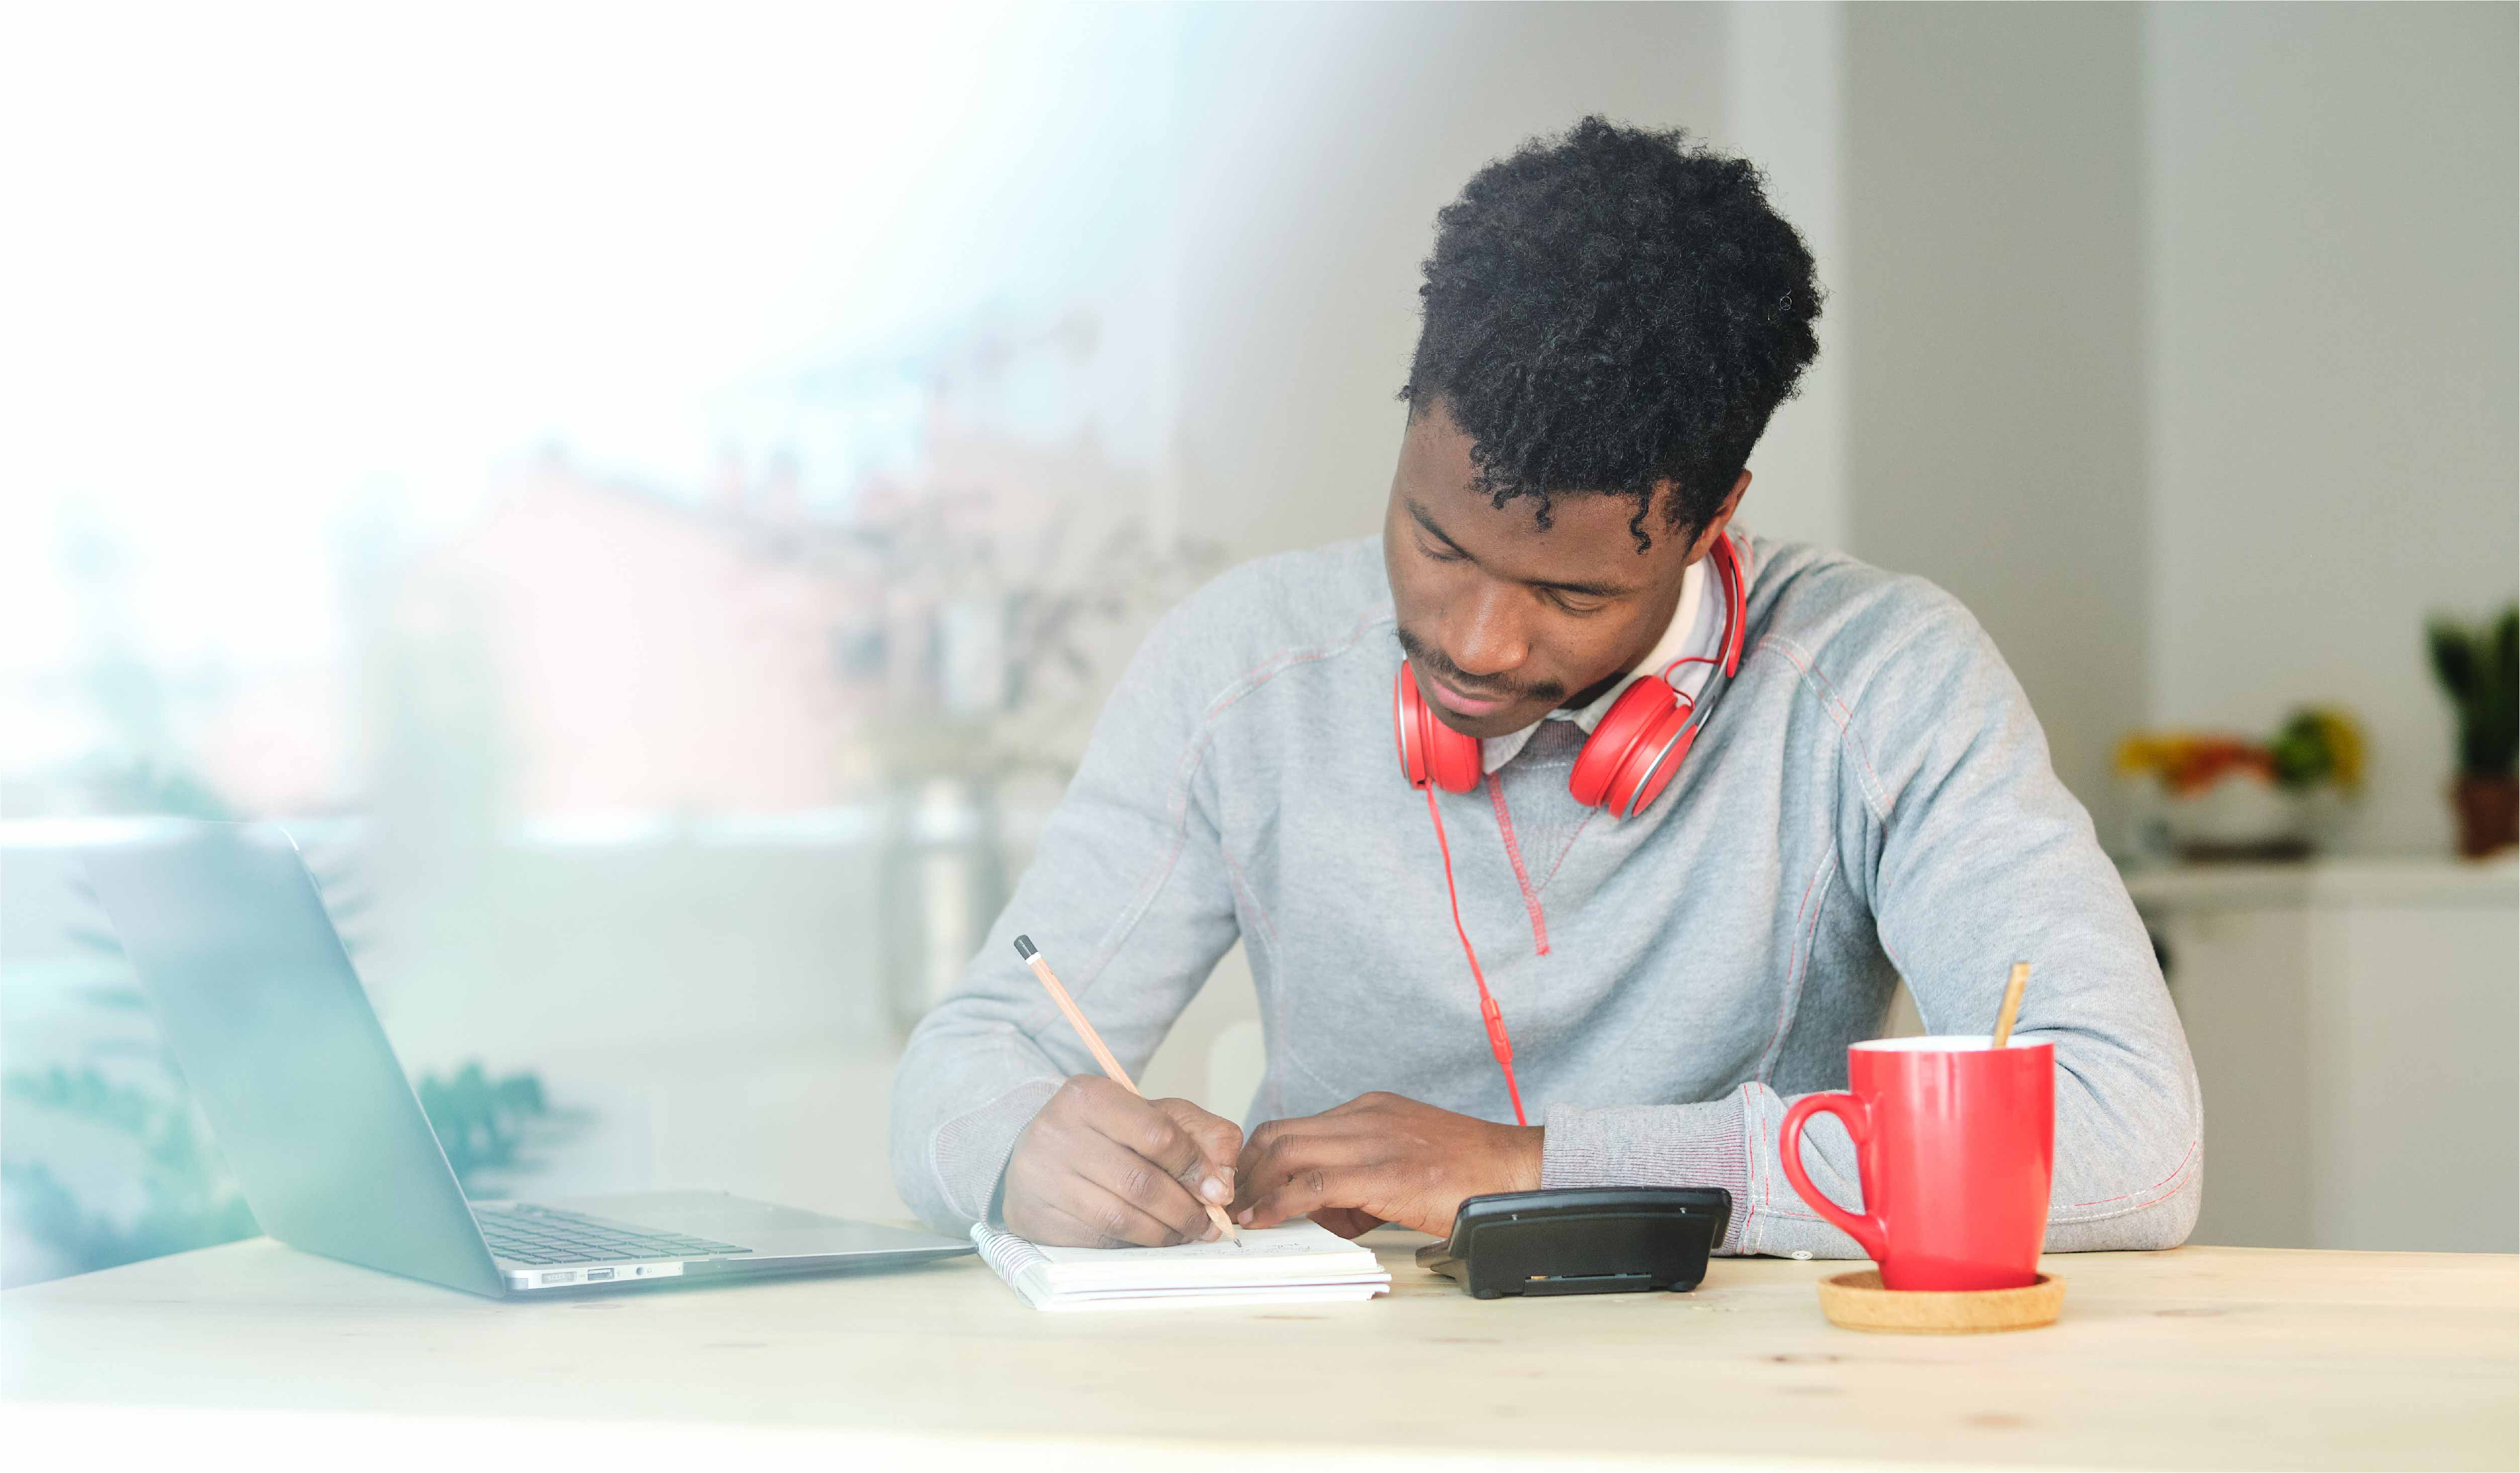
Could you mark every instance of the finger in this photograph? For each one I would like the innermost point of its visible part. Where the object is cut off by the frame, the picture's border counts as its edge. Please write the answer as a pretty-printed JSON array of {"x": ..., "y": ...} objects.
[
  {"x": 1284, "y": 1145},
  {"x": 1137, "y": 1126},
  {"x": 1143, "y": 1186},
  {"x": 1219, "y": 1140},
  {"x": 1253, "y": 1146},
  {"x": 1220, "y": 1144},
  {"x": 1287, "y": 1157},
  {"x": 1307, "y": 1190},
  {"x": 1054, "y": 1227},
  {"x": 1092, "y": 1218},
  {"x": 1287, "y": 1154},
  {"x": 1272, "y": 1135},
  {"x": 1127, "y": 1222}
]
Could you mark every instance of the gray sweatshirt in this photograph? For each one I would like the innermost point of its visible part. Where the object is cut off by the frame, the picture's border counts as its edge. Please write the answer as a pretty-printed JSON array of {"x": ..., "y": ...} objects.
[{"x": 1870, "y": 799}]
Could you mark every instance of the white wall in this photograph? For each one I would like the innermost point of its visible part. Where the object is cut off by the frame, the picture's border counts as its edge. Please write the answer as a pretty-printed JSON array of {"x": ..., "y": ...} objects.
[
  {"x": 1784, "y": 110},
  {"x": 1994, "y": 249},
  {"x": 1320, "y": 140},
  {"x": 2176, "y": 341},
  {"x": 2331, "y": 328}
]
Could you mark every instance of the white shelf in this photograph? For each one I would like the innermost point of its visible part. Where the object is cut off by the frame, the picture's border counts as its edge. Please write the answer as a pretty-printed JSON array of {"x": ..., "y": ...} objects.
[{"x": 2329, "y": 882}]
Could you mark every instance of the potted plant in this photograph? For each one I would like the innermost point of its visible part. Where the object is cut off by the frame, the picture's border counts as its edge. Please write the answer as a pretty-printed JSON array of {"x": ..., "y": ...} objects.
[{"x": 2478, "y": 667}]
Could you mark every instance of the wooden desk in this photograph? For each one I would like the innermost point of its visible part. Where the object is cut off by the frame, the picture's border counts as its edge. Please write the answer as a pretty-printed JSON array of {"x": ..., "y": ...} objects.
[{"x": 2198, "y": 1357}]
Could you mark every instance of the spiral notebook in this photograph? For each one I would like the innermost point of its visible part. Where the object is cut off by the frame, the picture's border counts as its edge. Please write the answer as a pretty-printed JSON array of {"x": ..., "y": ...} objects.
[{"x": 1300, "y": 1263}]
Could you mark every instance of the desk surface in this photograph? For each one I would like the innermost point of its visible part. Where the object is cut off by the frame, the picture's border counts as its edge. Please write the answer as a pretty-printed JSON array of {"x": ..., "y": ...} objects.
[{"x": 2200, "y": 1357}]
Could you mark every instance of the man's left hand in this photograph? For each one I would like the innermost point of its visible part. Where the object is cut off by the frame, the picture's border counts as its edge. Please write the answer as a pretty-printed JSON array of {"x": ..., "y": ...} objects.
[{"x": 1379, "y": 1158}]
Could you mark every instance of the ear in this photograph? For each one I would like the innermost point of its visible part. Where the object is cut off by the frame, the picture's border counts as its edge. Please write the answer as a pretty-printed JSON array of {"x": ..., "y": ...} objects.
[{"x": 1722, "y": 518}]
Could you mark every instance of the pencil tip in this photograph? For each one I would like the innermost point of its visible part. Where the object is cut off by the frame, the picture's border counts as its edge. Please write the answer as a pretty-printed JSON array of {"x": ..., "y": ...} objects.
[{"x": 1024, "y": 947}]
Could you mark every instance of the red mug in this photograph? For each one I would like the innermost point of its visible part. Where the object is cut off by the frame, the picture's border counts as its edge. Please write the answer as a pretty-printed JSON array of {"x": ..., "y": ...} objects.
[{"x": 1954, "y": 1141}]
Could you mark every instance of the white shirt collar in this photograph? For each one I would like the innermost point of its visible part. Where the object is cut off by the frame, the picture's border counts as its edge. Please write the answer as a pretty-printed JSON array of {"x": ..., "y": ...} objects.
[{"x": 1696, "y": 628}]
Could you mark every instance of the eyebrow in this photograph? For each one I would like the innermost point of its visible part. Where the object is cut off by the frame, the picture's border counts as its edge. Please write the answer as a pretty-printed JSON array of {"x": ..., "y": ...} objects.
[{"x": 1589, "y": 590}]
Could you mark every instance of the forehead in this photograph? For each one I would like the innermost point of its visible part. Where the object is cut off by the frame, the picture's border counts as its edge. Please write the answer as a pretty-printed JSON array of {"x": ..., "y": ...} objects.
[{"x": 1588, "y": 536}]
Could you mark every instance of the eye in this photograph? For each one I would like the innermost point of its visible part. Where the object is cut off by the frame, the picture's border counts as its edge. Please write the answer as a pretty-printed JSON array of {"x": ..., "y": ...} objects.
[
  {"x": 1440, "y": 554},
  {"x": 1578, "y": 604}
]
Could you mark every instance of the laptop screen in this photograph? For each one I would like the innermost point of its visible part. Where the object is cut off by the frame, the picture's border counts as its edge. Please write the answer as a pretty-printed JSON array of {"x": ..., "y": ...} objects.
[{"x": 257, "y": 997}]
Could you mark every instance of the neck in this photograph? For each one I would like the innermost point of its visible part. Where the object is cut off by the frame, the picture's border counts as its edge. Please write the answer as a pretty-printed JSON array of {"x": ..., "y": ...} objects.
[
  {"x": 1682, "y": 618},
  {"x": 1595, "y": 691}
]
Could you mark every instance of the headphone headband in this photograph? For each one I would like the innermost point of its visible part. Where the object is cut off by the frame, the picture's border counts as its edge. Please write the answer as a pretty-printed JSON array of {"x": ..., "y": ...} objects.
[{"x": 1736, "y": 603}]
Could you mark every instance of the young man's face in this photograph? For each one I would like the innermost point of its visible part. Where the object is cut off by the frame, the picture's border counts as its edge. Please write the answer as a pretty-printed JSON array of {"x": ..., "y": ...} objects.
[{"x": 1502, "y": 621}]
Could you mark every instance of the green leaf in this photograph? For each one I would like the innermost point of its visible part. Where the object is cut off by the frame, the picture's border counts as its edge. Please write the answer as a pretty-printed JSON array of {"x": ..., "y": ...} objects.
[
  {"x": 2453, "y": 662},
  {"x": 2480, "y": 668}
]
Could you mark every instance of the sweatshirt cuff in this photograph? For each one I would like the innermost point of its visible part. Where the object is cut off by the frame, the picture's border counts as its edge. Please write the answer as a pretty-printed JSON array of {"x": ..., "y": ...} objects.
[
  {"x": 970, "y": 1151},
  {"x": 1651, "y": 1145}
]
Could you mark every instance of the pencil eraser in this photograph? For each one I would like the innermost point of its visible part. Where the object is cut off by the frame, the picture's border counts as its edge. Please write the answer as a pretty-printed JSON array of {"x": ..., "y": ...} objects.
[{"x": 1024, "y": 947}]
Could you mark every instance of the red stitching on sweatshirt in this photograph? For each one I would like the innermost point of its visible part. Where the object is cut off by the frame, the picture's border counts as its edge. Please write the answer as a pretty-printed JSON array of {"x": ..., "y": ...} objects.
[
  {"x": 1243, "y": 882},
  {"x": 1792, "y": 1003},
  {"x": 1513, "y": 852},
  {"x": 1090, "y": 970},
  {"x": 2175, "y": 1173},
  {"x": 1843, "y": 714},
  {"x": 1569, "y": 849},
  {"x": 1267, "y": 670}
]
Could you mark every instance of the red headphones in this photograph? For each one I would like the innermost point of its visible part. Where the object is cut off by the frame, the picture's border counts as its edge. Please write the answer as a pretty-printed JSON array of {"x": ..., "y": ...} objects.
[
  {"x": 1630, "y": 757},
  {"x": 1634, "y": 751}
]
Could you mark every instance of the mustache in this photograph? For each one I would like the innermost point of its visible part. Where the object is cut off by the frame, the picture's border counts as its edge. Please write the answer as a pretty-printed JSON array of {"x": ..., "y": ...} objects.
[{"x": 1434, "y": 661}]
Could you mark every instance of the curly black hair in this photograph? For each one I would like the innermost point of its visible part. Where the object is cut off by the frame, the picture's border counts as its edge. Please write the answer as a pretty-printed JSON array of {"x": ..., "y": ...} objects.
[{"x": 1610, "y": 309}]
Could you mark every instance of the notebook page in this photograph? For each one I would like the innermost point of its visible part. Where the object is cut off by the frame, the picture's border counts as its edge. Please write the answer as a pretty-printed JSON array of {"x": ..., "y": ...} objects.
[
  {"x": 1301, "y": 1251},
  {"x": 1297, "y": 1250},
  {"x": 1226, "y": 1298}
]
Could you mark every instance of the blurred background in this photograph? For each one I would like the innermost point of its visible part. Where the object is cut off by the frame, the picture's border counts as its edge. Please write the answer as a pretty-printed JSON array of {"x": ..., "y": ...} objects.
[{"x": 651, "y": 505}]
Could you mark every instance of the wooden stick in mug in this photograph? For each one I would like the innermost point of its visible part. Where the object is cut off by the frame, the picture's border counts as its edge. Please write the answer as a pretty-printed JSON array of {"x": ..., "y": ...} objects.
[
  {"x": 1102, "y": 1055},
  {"x": 2011, "y": 1003}
]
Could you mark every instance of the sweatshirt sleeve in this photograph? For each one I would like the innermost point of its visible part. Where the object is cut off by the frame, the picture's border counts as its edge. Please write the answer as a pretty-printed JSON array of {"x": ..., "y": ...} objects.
[
  {"x": 1129, "y": 899},
  {"x": 1973, "y": 855}
]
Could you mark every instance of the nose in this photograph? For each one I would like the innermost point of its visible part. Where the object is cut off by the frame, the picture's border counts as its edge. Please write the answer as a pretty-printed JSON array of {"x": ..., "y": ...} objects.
[{"x": 1487, "y": 638}]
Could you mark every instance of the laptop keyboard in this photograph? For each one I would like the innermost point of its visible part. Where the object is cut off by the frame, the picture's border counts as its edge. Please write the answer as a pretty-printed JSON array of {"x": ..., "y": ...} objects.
[{"x": 542, "y": 1235}]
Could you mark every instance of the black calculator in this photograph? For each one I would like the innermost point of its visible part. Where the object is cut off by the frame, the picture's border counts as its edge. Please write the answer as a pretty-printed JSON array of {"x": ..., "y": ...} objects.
[{"x": 1582, "y": 1240}]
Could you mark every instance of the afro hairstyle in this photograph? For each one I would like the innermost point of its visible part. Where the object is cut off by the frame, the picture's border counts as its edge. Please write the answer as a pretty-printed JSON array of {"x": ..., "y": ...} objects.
[{"x": 1610, "y": 309}]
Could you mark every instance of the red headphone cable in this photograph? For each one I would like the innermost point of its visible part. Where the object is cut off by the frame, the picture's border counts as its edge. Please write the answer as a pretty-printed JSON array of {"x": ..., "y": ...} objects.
[{"x": 1498, "y": 1043}]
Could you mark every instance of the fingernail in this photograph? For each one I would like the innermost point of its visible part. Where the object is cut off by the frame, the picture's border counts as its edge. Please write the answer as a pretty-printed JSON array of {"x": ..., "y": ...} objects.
[
  {"x": 1244, "y": 1217},
  {"x": 1217, "y": 1191}
]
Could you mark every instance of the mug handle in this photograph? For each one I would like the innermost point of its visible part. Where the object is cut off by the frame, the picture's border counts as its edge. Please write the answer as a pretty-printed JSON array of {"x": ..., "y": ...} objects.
[{"x": 1869, "y": 1231}]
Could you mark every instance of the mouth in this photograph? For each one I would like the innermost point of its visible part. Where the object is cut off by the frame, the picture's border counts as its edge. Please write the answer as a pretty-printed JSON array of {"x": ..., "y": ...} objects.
[{"x": 1472, "y": 706}]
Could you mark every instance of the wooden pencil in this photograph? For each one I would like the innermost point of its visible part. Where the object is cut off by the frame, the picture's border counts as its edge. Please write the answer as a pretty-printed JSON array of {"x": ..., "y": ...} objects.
[
  {"x": 1102, "y": 1055},
  {"x": 2011, "y": 1003}
]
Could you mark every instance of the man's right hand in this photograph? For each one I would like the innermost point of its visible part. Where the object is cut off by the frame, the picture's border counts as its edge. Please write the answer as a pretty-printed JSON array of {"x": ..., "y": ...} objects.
[{"x": 1101, "y": 1168}]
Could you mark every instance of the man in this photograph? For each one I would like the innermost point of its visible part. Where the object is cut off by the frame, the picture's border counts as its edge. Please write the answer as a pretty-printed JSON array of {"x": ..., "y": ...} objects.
[{"x": 1677, "y": 934}]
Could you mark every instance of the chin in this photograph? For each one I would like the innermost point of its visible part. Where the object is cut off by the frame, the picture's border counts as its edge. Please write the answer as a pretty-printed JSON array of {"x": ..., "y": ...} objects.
[{"x": 1502, "y": 723}]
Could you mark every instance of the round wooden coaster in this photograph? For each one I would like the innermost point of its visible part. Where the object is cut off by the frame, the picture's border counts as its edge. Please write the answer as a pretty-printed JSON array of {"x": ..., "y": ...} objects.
[{"x": 1858, "y": 1302}]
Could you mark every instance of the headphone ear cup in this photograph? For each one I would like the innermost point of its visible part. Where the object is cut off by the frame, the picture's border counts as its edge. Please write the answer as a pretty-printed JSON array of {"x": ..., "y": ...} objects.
[
  {"x": 1638, "y": 713},
  {"x": 1655, "y": 761},
  {"x": 1429, "y": 750}
]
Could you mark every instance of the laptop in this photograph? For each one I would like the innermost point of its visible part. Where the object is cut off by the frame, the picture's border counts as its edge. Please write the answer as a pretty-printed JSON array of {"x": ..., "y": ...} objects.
[{"x": 256, "y": 997}]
